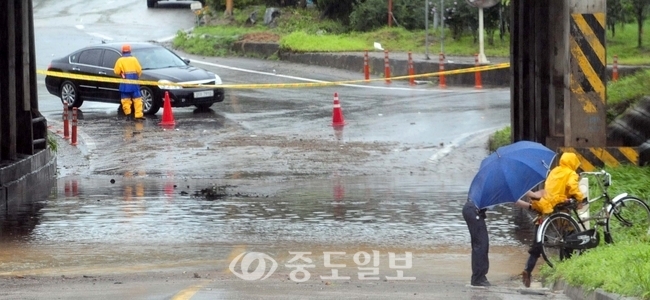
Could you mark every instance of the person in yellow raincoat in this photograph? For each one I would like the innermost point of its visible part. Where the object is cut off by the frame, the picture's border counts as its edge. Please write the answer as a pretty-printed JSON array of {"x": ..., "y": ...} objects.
[
  {"x": 561, "y": 185},
  {"x": 128, "y": 67}
]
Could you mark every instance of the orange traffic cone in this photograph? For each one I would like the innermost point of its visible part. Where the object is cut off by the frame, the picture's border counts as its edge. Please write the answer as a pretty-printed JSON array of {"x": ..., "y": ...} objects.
[
  {"x": 168, "y": 115},
  {"x": 337, "y": 114}
]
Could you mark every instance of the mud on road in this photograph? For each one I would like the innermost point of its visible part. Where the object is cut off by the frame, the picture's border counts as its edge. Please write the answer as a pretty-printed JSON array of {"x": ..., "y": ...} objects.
[{"x": 220, "y": 148}]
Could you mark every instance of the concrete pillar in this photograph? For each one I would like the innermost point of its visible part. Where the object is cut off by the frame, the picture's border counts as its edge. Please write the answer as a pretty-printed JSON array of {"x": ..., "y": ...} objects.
[
  {"x": 8, "y": 83},
  {"x": 542, "y": 70},
  {"x": 586, "y": 125},
  {"x": 558, "y": 27},
  {"x": 530, "y": 70}
]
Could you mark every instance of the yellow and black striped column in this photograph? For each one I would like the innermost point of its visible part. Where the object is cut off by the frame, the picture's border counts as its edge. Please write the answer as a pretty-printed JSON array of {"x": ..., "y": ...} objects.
[
  {"x": 587, "y": 72},
  {"x": 595, "y": 158}
]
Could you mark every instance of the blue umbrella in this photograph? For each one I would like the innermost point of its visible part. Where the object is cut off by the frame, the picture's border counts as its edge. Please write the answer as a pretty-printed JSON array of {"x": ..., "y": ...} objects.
[{"x": 508, "y": 173}]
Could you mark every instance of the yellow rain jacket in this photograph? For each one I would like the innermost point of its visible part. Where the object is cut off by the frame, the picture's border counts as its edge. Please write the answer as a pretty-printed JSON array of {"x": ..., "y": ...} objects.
[{"x": 561, "y": 184}]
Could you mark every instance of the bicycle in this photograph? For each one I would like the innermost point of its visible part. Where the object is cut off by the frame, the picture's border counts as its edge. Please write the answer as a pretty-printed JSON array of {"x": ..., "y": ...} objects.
[{"x": 565, "y": 233}]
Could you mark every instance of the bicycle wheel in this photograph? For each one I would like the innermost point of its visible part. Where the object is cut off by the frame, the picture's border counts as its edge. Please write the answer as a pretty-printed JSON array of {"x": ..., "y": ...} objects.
[
  {"x": 554, "y": 231},
  {"x": 629, "y": 219}
]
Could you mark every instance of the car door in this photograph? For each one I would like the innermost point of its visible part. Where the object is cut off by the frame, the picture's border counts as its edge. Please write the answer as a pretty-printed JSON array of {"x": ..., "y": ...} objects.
[
  {"x": 87, "y": 65},
  {"x": 109, "y": 91}
]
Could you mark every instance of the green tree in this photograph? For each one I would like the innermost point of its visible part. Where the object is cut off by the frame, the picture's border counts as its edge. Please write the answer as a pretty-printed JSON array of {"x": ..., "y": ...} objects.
[
  {"x": 491, "y": 19},
  {"x": 460, "y": 16},
  {"x": 336, "y": 9},
  {"x": 229, "y": 7},
  {"x": 368, "y": 15},
  {"x": 614, "y": 15},
  {"x": 372, "y": 14},
  {"x": 640, "y": 11}
]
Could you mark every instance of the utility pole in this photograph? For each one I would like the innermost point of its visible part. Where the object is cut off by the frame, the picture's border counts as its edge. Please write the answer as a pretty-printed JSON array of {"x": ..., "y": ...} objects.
[
  {"x": 442, "y": 26},
  {"x": 390, "y": 13},
  {"x": 426, "y": 29}
]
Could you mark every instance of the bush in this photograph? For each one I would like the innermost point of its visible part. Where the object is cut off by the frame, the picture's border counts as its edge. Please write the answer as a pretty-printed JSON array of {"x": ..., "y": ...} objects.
[
  {"x": 292, "y": 20},
  {"x": 500, "y": 138},
  {"x": 368, "y": 16},
  {"x": 372, "y": 14}
]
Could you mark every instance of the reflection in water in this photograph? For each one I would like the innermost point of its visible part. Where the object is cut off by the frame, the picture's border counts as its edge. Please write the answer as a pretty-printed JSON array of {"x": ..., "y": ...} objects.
[
  {"x": 139, "y": 213},
  {"x": 366, "y": 210}
]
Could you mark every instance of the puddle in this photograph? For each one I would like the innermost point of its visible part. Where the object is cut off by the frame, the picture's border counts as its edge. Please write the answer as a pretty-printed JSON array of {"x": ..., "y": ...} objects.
[{"x": 137, "y": 219}]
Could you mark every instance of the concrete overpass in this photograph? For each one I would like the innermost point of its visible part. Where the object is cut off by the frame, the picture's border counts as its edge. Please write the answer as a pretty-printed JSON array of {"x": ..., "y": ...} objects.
[{"x": 27, "y": 166}]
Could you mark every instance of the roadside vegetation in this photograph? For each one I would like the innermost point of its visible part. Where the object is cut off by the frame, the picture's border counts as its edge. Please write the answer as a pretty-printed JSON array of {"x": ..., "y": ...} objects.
[
  {"x": 626, "y": 92},
  {"x": 51, "y": 142},
  {"x": 338, "y": 25}
]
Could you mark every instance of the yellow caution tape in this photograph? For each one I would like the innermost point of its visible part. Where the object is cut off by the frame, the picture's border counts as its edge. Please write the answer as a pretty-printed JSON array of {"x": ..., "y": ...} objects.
[{"x": 268, "y": 85}]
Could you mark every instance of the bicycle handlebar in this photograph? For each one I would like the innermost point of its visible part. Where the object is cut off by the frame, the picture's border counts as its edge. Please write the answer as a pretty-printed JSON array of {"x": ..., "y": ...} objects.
[
  {"x": 601, "y": 172},
  {"x": 607, "y": 178}
]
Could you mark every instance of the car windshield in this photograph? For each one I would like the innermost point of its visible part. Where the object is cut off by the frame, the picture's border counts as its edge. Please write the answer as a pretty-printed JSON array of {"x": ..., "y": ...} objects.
[{"x": 157, "y": 58}]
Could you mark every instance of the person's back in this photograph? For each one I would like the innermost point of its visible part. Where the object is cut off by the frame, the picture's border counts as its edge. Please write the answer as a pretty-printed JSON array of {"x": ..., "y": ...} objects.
[{"x": 128, "y": 67}]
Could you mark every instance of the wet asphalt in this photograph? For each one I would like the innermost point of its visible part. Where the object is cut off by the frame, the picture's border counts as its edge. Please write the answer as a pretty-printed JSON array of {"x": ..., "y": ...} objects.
[{"x": 129, "y": 216}]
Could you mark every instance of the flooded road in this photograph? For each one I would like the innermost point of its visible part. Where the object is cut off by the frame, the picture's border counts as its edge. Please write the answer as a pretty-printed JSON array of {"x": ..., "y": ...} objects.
[
  {"x": 148, "y": 221},
  {"x": 128, "y": 219}
]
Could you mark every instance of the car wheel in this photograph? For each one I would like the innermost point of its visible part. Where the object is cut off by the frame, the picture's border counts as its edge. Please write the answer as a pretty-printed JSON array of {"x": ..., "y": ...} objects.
[
  {"x": 204, "y": 106},
  {"x": 70, "y": 94},
  {"x": 151, "y": 3},
  {"x": 150, "y": 105}
]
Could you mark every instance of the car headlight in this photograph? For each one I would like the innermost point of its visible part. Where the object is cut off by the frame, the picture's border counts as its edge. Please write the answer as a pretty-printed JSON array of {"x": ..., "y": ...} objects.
[
  {"x": 165, "y": 85},
  {"x": 217, "y": 79}
]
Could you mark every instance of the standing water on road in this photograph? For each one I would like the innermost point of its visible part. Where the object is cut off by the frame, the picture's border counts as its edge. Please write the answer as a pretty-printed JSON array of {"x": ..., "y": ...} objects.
[{"x": 136, "y": 219}]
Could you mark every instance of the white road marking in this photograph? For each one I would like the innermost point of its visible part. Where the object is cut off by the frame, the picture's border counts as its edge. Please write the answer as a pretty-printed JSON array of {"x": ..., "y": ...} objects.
[{"x": 318, "y": 81}]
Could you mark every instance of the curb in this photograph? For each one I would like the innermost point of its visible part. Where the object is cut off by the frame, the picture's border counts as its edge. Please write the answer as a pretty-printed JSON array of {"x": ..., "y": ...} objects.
[
  {"x": 580, "y": 293},
  {"x": 353, "y": 61}
]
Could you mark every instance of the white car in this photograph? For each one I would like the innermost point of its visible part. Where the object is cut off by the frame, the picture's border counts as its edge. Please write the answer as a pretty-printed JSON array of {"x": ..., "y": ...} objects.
[{"x": 152, "y": 3}]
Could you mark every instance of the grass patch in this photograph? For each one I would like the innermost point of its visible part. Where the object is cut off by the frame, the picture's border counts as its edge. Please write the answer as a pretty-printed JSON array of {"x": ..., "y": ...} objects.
[
  {"x": 499, "y": 138},
  {"x": 619, "y": 268},
  {"x": 630, "y": 179},
  {"x": 624, "y": 44},
  {"x": 321, "y": 43},
  {"x": 626, "y": 91},
  {"x": 293, "y": 23},
  {"x": 52, "y": 142}
]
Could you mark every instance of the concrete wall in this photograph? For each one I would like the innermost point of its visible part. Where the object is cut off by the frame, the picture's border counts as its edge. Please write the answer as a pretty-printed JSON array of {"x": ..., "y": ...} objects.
[
  {"x": 354, "y": 63},
  {"x": 29, "y": 179}
]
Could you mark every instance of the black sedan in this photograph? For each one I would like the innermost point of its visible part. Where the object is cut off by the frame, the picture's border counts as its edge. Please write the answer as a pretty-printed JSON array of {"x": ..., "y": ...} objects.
[{"x": 158, "y": 63}]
